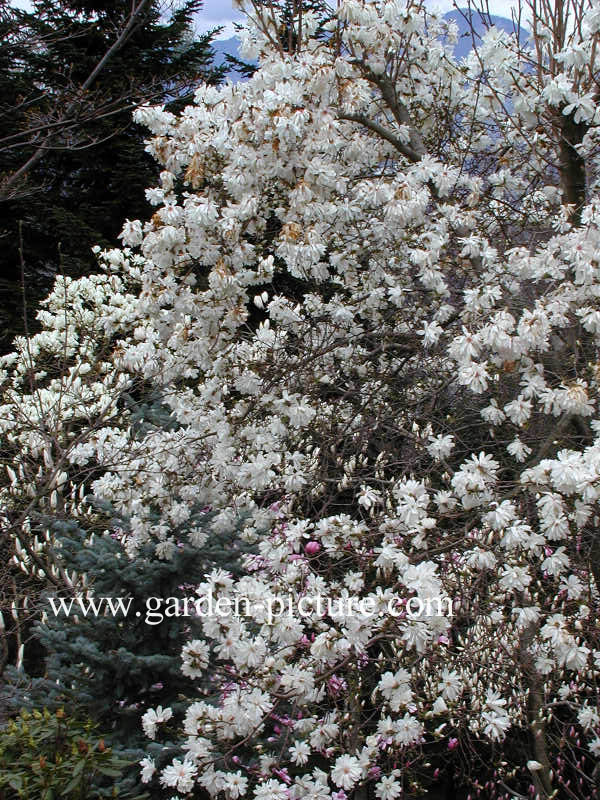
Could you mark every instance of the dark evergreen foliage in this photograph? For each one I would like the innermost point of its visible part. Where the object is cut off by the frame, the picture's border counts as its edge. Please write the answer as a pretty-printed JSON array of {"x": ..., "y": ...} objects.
[{"x": 94, "y": 171}]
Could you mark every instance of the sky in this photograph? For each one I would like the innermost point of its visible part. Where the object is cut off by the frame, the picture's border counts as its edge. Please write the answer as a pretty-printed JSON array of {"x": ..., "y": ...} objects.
[
  {"x": 221, "y": 12},
  {"x": 214, "y": 14},
  {"x": 217, "y": 13}
]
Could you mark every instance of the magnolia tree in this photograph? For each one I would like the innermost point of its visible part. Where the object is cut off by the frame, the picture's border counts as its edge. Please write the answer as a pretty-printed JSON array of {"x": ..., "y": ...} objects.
[{"x": 369, "y": 300}]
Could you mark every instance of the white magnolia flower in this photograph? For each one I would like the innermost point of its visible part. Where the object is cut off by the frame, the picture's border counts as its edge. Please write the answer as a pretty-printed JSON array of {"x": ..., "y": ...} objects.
[
  {"x": 518, "y": 450},
  {"x": 346, "y": 771},
  {"x": 450, "y": 685},
  {"x": 594, "y": 747},
  {"x": 388, "y": 788},
  {"x": 195, "y": 657},
  {"x": 368, "y": 497},
  {"x": 556, "y": 563},
  {"x": 235, "y": 785},
  {"x": 148, "y": 769},
  {"x": 514, "y": 578},
  {"x": 179, "y": 775},
  {"x": 300, "y": 752},
  {"x": 588, "y": 717},
  {"x": 271, "y": 790},
  {"x": 495, "y": 725},
  {"x": 153, "y": 717},
  {"x": 440, "y": 446}
]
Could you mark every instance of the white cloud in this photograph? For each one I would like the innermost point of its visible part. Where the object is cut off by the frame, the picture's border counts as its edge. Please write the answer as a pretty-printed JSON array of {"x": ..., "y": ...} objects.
[
  {"x": 205, "y": 25},
  {"x": 217, "y": 13},
  {"x": 499, "y": 8},
  {"x": 219, "y": 9},
  {"x": 221, "y": 12}
]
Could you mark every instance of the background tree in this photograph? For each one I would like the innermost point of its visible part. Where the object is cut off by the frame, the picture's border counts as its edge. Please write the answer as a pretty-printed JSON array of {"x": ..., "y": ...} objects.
[{"x": 72, "y": 162}]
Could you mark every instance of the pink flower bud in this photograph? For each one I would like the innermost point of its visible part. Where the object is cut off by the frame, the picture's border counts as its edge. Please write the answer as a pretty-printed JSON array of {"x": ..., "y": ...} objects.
[{"x": 312, "y": 548}]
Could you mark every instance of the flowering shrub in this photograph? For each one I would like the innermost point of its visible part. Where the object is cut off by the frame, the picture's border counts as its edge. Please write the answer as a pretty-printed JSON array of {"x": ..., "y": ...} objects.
[
  {"x": 368, "y": 299},
  {"x": 46, "y": 756}
]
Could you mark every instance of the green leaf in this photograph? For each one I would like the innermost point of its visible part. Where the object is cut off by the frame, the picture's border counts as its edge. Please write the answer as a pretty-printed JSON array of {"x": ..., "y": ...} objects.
[
  {"x": 110, "y": 772},
  {"x": 73, "y": 784}
]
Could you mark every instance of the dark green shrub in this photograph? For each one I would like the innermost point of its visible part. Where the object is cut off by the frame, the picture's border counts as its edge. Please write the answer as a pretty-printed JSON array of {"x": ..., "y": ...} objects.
[{"x": 50, "y": 756}]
